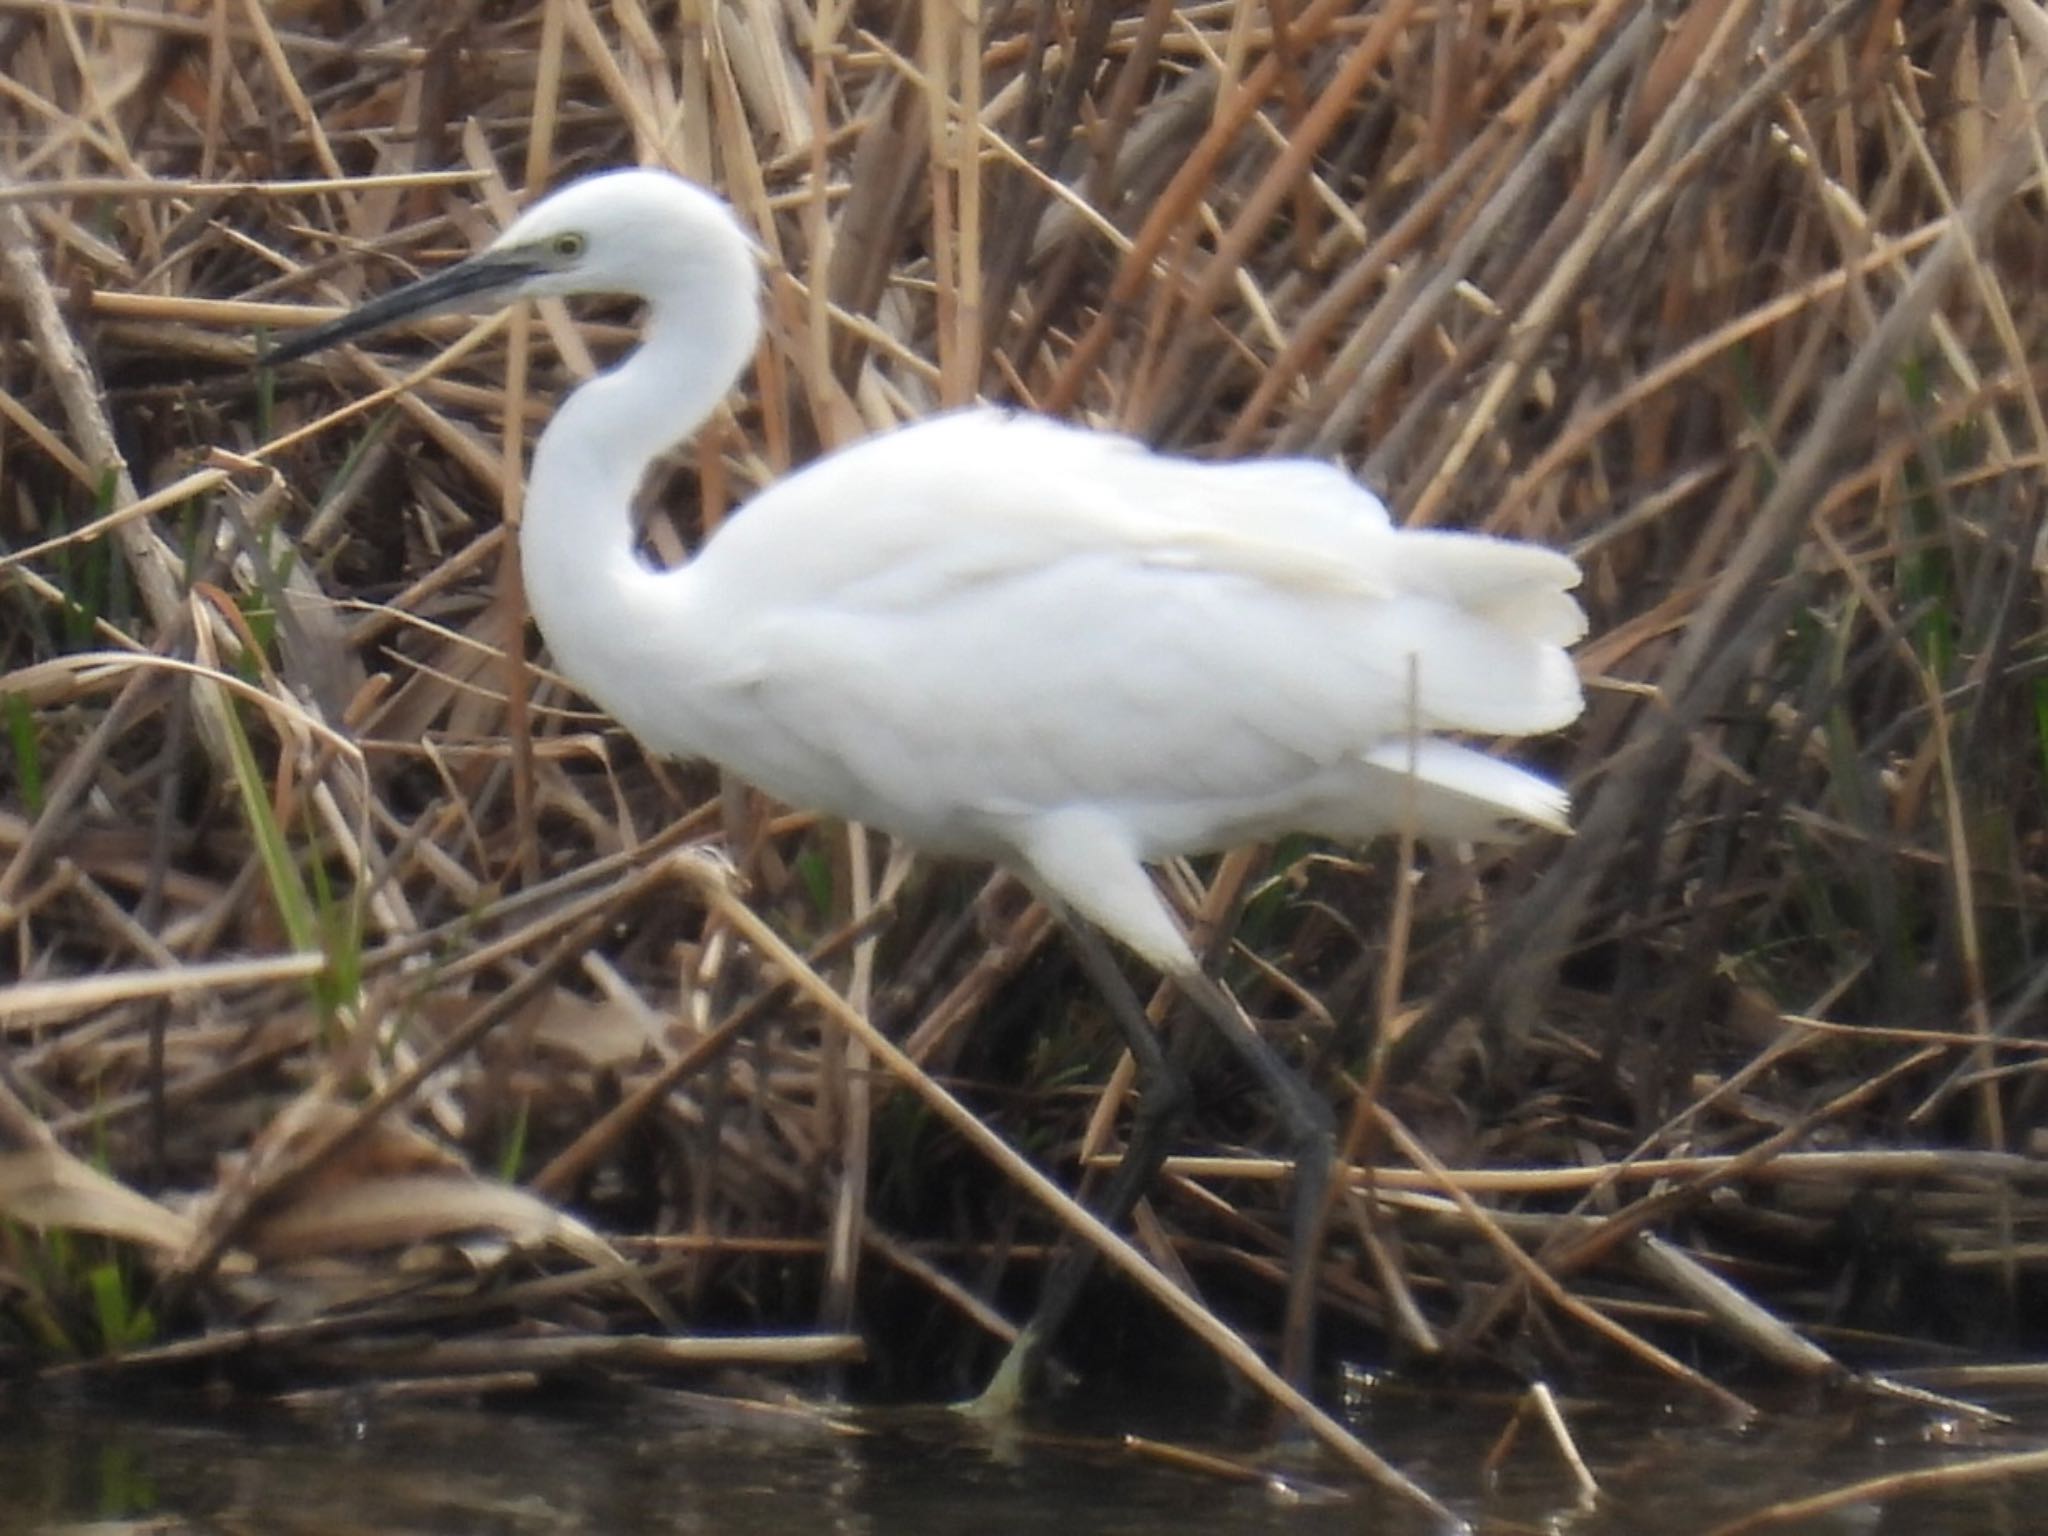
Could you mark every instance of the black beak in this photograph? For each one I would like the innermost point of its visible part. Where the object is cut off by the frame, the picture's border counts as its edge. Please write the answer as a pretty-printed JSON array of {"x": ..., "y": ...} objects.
[{"x": 488, "y": 276}]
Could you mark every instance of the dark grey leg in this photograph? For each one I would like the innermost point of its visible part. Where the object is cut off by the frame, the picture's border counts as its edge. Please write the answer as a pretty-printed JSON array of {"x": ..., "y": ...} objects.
[
  {"x": 1312, "y": 1129},
  {"x": 1162, "y": 1100}
]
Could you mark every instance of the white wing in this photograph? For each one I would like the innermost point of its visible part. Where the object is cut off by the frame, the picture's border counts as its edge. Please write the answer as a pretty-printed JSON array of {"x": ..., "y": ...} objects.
[{"x": 984, "y": 619}]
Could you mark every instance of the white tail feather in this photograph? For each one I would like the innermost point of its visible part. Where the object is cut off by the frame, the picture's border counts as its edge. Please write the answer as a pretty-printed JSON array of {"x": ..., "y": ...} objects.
[
  {"x": 1471, "y": 674},
  {"x": 1495, "y": 662},
  {"x": 1457, "y": 791},
  {"x": 1521, "y": 587}
]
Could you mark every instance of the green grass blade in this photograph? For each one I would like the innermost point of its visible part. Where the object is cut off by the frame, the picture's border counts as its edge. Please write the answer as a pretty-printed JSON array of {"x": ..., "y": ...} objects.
[{"x": 294, "y": 905}]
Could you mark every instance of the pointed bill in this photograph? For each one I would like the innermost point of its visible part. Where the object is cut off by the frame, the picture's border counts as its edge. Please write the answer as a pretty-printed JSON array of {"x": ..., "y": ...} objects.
[{"x": 478, "y": 283}]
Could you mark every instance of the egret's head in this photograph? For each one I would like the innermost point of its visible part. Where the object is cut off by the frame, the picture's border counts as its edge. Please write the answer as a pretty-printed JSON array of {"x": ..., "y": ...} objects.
[
  {"x": 632, "y": 231},
  {"x": 641, "y": 232}
]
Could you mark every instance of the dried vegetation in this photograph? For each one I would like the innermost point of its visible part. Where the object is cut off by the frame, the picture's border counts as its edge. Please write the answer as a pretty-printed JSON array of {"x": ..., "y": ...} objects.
[{"x": 359, "y": 988}]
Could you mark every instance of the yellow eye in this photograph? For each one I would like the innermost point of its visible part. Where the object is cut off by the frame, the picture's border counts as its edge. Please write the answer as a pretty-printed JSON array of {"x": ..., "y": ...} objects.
[{"x": 569, "y": 245}]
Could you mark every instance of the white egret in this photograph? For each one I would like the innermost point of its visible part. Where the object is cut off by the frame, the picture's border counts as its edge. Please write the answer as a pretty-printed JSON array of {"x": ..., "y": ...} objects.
[{"x": 994, "y": 635}]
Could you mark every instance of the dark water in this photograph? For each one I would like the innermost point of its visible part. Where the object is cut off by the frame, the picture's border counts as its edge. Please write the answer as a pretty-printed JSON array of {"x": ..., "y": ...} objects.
[{"x": 663, "y": 1464}]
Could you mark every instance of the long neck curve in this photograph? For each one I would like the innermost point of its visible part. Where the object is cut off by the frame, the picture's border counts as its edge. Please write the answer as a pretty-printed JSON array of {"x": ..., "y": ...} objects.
[{"x": 597, "y": 603}]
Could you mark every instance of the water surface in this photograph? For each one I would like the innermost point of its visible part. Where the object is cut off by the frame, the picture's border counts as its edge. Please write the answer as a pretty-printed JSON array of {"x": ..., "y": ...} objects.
[{"x": 655, "y": 1462}]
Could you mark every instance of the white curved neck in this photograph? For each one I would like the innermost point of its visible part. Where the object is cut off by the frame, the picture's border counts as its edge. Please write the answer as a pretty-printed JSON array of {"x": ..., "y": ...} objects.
[{"x": 582, "y": 574}]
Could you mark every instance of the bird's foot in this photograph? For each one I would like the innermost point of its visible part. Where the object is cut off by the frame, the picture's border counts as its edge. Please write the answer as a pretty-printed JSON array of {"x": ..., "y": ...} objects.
[{"x": 1025, "y": 1370}]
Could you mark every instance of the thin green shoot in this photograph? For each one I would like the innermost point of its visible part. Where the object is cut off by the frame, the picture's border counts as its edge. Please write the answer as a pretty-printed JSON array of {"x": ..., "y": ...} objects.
[
  {"x": 814, "y": 869},
  {"x": 512, "y": 1157},
  {"x": 123, "y": 1322},
  {"x": 27, "y": 750},
  {"x": 294, "y": 906}
]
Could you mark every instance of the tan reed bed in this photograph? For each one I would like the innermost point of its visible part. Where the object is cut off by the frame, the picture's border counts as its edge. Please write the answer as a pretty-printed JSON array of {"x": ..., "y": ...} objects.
[{"x": 360, "y": 988}]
